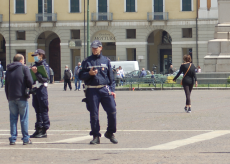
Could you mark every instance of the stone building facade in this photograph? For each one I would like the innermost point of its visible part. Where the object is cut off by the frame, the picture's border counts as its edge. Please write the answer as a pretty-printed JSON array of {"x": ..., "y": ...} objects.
[{"x": 153, "y": 32}]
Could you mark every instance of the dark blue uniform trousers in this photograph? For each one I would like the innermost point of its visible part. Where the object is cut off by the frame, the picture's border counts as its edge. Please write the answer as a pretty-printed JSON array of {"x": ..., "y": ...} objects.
[
  {"x": 94, "y": 97},
  {"x": 40, "y": 104}
]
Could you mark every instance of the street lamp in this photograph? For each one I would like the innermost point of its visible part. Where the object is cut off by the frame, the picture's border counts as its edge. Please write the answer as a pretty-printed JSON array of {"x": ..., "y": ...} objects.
[
  {"x": 88, "y": 37},
  {"x": 84, "y": 29},
  {"x": 9, "y": 35}
]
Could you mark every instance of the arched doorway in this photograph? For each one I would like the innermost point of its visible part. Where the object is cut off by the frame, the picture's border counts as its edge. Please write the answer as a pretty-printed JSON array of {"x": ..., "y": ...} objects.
[
  {"x": 159, "y": 51},
  {"x": 55, "y": 58},
  {"x": 50, "y": 42},
  {"x": 3, "y": 51},
  {"x": 108, "y": 43}
]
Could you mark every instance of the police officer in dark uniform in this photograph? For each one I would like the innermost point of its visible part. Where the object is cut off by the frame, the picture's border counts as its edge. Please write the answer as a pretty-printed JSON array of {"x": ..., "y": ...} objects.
[
  {"x": 40, "y": 97},
  {"x": 100, "y": 86}
]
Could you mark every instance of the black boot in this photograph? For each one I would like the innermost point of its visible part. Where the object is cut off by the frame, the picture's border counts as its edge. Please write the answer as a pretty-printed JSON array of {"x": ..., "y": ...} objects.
[
  {"x": 111, "y": 137},
  {"x": 44, "y": 134},
  {"x": 96, "y": 140},
  {"x": 37, "y": 133}
]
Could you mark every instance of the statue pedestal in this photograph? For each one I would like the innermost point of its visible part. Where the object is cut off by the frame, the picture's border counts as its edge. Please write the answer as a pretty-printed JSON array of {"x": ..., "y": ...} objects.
[{"x": 218, "y": 57}]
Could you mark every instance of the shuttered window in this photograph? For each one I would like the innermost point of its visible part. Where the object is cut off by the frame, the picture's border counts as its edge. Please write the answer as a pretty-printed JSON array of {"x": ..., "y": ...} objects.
[
  {"x": 209, "y": 4},
  {"x": 20, "y": 6},
  {"x": 158, "y": 5},
  {"x": 130, "y": 6},
  {"x": 102, "y": 6},
  {"x": 40, "y": 6},
  {"x": 46, "y": 4},
  {"x": 49, "y": 6},
  {"x": 74, "y": 6},
  {"x": 186, "y": 5}
]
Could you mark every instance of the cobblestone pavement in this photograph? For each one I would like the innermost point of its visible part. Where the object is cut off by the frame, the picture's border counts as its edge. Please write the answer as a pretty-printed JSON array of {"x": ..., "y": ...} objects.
[{"x": 152, "y": 128}]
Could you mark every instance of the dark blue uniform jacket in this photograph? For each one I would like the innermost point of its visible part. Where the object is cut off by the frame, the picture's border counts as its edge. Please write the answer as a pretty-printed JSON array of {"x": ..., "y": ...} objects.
[
  {"x": 38, "y": 75},
  {"x": 105, "y": 73}
]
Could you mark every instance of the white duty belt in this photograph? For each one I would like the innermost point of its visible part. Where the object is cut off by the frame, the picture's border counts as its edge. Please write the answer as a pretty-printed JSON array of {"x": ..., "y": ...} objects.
[
  {"x": 37, "y": 84},
  {"x": 95, "y": 86},
  {"x": 96, "y": 66},
  {"x": 99, "y": 86}
]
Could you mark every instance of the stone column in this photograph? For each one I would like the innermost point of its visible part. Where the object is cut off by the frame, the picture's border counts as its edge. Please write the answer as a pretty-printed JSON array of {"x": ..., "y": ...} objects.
[{"x": 223, "y": 11}]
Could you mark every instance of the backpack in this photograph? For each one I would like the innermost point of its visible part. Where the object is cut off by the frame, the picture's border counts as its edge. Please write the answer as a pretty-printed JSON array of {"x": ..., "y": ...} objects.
[{"x": 67, "y": 74}]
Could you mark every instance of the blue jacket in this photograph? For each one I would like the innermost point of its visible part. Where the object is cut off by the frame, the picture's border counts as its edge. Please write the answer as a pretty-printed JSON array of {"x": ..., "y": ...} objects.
[
  {"x": 76, "y": 71},
  {"x": 38, "y": 75},
  {"x": 16, "y": 83},
  {"x": 105, "y": 72},
  {"x": 143, "y": 73}
]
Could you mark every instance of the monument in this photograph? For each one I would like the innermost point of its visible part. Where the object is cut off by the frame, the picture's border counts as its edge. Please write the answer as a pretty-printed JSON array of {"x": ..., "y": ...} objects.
[{"x": 218, "y": 57}]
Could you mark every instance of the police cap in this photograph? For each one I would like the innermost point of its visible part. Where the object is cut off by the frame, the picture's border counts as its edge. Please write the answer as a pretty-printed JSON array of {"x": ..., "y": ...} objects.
[
  {"x": 96, "y": 44},
  {"x": 38, "y": 51}
]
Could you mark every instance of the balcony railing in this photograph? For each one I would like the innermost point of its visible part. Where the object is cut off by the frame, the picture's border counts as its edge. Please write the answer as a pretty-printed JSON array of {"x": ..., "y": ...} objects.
[
  {"x": 157, "y": 16},
  {"x": 102, "y": 17},
  {"x": 46, "y": 17},
  {"x": 0, "y": 18}
]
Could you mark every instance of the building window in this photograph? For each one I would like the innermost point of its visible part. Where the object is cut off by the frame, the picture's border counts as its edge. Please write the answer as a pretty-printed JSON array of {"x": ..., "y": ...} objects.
[
  {"x": 131, "y": 54},
  {"x": 158, "y": 5},
  {"x": 130, "y": 5},
  {"x": 186, "y": 51},
  {"x": 40, "y": 7},
  {"x": 186, "y": 5},
  {"x": 208, "y": 4},
  {"x": 131, "y": 33},
  {"x": 75, "y": 34},
  {"x": 19, "y": 6},
  {"x": 45, "y": 6},
  {"x": 21, "y": 35},
  {"x": 102, "y": 6},
  {"x": 74, "y": 6},
  {"x": 186, "y": 32}
]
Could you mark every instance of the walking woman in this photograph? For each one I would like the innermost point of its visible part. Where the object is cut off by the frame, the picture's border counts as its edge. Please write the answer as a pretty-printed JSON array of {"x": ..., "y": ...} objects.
[{"x": 188, "y": 69}]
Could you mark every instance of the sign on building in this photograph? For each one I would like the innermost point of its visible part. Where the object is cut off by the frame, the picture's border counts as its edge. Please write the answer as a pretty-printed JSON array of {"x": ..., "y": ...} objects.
[{"x": 104, "y": 36}]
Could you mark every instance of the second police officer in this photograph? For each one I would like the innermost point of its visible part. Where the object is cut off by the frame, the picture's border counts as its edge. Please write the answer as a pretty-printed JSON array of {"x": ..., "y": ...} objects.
[
  {"x": 40, "y": 98},
  {"x": 100, "y": 86}
]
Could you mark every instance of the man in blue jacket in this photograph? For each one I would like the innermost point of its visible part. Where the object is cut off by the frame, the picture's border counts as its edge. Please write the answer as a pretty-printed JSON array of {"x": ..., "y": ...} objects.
[
  {"x": 76, "y": 72},
  {"x": 143, "y": 73},
  {"x": 18, "y": 78},
  {"x": 99, "y": 80}
]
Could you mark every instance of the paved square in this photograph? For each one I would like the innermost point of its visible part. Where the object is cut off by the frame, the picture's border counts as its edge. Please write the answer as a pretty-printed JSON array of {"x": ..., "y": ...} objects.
[{"x": 152, "y": 128}]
